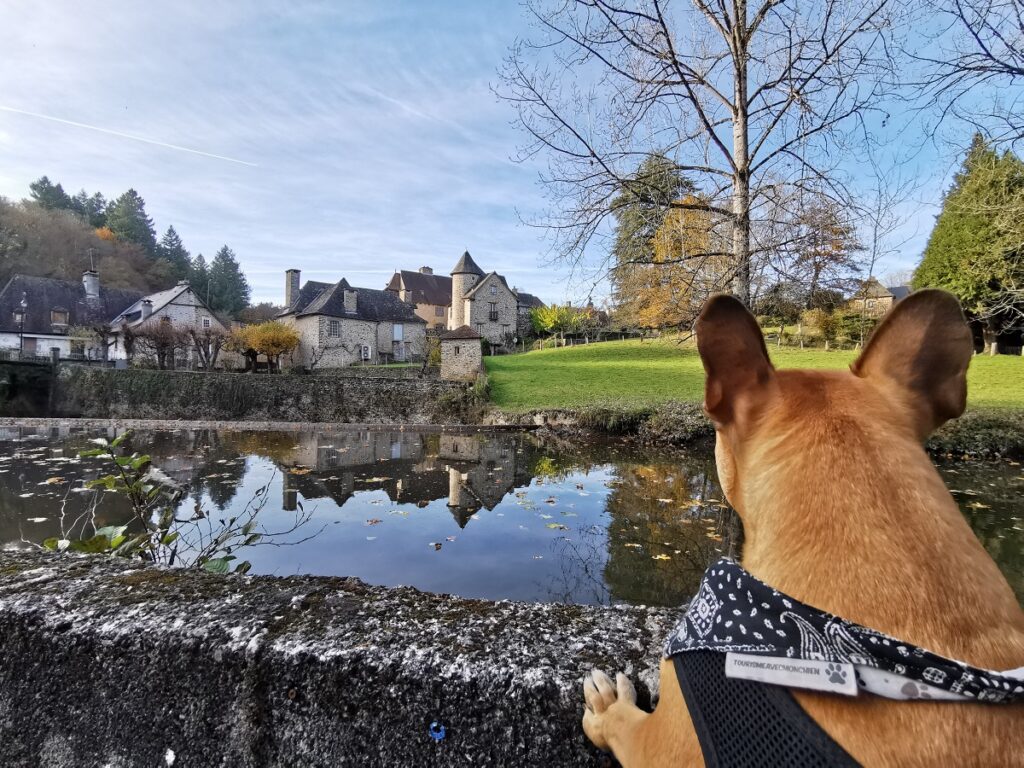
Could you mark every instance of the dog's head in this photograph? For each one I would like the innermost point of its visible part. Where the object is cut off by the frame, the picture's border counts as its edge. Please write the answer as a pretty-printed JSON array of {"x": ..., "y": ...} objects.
[{"x": 910, "y": 378}]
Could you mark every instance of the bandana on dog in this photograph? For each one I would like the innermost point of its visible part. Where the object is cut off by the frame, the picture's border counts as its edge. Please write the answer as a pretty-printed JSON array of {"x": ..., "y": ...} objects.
[{"x": 735, "y": 613}]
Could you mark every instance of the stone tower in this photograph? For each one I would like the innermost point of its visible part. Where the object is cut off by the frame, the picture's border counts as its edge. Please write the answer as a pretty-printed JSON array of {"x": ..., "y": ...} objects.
[{"x": 464, "y": 276}]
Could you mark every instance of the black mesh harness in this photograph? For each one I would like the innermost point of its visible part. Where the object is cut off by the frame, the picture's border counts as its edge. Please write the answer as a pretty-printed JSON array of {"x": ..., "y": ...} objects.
[{"x": 743, "y": 724}]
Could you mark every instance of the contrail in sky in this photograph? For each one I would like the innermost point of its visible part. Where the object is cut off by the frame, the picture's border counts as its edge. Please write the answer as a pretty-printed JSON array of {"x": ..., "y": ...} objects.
[{"x": 108, "y": 131}]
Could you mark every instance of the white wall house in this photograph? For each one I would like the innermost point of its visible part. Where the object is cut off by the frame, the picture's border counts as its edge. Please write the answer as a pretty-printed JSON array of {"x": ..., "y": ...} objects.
[
  {"x": 341, "y": 325},
  {"x": 40, "y": 314}
]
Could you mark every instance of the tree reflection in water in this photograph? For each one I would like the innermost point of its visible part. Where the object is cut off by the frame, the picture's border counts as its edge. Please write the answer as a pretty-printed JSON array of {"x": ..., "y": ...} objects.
[{"x": 497, "y": 515}]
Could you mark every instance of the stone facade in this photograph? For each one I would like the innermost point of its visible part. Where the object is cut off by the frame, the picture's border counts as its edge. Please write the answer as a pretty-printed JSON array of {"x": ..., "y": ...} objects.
[
  {"x": 487, "y": 304},
  {"x": 461, "y": 355},
  {"x": 326, "y": 342}
]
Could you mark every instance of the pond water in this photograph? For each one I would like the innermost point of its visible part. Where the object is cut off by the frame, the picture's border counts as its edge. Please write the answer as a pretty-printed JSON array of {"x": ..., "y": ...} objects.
[{"x": 490, "y": 515}]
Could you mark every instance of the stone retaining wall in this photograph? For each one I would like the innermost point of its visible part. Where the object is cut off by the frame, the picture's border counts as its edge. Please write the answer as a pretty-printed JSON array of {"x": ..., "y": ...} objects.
[
  {"x": 144, "y": 394},
  {"x": 106, "y": 662}
]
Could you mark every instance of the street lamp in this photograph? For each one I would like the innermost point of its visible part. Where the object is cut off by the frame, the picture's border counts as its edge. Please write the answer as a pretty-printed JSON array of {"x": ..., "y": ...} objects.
[{"x": 23, "y": 305}]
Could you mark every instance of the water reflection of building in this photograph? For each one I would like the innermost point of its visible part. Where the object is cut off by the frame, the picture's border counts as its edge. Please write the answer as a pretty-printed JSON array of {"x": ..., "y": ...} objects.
[{"x": 472, "y": 472}]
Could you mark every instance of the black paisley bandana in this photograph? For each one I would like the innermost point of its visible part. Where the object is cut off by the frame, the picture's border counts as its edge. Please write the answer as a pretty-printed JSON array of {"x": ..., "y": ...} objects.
[{"x": 735, "y": 612}]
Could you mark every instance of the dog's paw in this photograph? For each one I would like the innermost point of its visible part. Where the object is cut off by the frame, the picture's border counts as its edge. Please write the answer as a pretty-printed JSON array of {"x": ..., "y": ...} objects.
[{"x": 600, "y": 695}]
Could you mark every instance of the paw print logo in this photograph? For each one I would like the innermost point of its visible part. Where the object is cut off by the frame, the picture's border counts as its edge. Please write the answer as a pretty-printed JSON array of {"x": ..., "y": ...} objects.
[{"x": 836, "y": 674}]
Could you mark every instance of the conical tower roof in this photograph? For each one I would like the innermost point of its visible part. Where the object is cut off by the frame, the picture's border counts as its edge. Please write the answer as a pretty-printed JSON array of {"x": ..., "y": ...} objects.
[{"x": 467, "y": 266}]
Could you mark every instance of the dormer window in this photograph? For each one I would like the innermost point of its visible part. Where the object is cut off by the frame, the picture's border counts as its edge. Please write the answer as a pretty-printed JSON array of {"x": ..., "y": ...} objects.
[
  {"x": 19, "y": 316},
  {"x": 58, "y": 317}
]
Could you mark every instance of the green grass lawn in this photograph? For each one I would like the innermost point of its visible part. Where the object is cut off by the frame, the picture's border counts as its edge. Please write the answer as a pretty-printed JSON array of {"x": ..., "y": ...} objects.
[{"x": 637, "y": 374}]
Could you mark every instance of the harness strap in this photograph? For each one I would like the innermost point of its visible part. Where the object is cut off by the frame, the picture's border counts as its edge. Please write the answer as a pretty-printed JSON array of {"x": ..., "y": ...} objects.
[{"x": 744, "y": 724}]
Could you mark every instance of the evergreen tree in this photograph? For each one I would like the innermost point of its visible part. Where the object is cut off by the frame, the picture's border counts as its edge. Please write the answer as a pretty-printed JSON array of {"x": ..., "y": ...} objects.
[
  {"x": 639, "y": 211},
  {"x": 49, "y": 195},
  {"x": 173, "y": 250},
  {"x": 126, "y": 218},
  {"x": 199, "y": 278},
  {"x": 975, "y": 251},
  {"x": 92, "y": 208},
  {"x": 229, "y": 290}
]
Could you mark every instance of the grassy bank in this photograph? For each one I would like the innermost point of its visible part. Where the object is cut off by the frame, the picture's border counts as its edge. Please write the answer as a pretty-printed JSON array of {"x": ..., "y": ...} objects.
[{"x": 631, "y": 374}]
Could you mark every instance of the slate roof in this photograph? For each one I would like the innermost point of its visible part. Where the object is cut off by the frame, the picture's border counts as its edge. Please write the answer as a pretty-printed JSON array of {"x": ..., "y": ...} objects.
[
  {"x": 528, "y": 300},
  {"x": 467, "y": 266},
  {"x": 133, "y": 314},
  {"x": 480, "y": 282},
  {"x": 307, "y": 293},
  {"x": 371, "y": 304},
  {"x": 424, "y": 289},
  {"x": 462, "y": 332},
  {"x": 46, "y": 293},
  {"x": 899, "y": 292}
]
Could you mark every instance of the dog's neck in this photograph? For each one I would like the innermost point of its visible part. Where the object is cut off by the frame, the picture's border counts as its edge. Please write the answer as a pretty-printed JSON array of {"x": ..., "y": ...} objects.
[{"x": 872, "y": 534}]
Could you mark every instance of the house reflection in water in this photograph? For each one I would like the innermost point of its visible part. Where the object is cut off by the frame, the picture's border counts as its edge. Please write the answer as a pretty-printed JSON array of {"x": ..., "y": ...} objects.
[{"x": 472, "y": 472}]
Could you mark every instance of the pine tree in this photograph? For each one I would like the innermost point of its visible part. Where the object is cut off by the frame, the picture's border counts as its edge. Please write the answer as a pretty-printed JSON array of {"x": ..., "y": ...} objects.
[
  {"x": 199, "y": 277},
  {"x": 173, "y": 250},
  {"x": 974, "y": 250},
  {"x": 92, "y": 208},
  {"x": 229, "y": 290},
  {"x": 126, "y": 218},
  {"x": 49, "y": 195}
]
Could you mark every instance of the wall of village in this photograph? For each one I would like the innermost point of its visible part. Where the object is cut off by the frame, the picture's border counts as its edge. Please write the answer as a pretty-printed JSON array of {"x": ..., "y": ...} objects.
[
  {"x": 202, "y": 669},
  {"x": 478, "y": 311},
  {"x": 144, "y": 394}
]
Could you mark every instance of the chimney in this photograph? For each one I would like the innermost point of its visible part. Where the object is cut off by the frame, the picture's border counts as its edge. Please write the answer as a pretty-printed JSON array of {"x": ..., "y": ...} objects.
[
  {"x": 426, "y": 271},
  {"x": 350, "y": 301},
  {"x": 91, "y": 283},
  {"x": 147, "y": 308},
  {"x": 291, "y": 287}
]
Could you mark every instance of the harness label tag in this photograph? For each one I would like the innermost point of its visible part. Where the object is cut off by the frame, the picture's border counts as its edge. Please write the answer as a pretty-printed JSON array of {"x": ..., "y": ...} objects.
[{"x": 829, "y": 676}]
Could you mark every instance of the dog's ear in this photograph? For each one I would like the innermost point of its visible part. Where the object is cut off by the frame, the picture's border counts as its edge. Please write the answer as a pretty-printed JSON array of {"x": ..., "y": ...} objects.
[
  {"x": 923, "y": 346},
  {"x": 735, "y": 358}
]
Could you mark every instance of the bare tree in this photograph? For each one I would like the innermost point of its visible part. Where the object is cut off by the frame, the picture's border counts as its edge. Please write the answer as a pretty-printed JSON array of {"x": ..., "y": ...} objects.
[
  {"x": 753, "y": 105},
  {"x": 981, "y": 51},
  {"x": 208, "y": 343},
  {"x": 161, "y": 340}
]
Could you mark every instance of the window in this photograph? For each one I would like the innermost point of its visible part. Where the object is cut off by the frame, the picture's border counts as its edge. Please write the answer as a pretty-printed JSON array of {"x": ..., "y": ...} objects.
[
  {"x": 397, "y": 331},
  {"x": 438, "y": 311},
  {"x": 871, "y": 303},
  {"x": 18, "y": 316},
  {"x": 494, "y": 290},
  {"x": 58, "y": 317},
  {"x": 334, "y": 328},
  {"x": 456, "y": 349},
  {"x": 492, "y": 315},
  {"x": 206, "y": 322}
]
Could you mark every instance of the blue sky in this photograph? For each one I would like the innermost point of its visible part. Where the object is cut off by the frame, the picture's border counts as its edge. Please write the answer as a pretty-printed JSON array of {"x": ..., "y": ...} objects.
[{"x": 343, "y": 139}]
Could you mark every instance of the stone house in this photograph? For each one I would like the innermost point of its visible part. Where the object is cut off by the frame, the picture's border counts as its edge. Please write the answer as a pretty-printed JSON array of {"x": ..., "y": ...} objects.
[
  {"x": 461, "y": 356},
  {"x": 41, "y": 314},
  {"x": 181, "y": 306},
  {"x": 487, "y": 304},
  {"x": 430, "y": 294},
  {"x": 341, "y": 325},
  {"x": 874, "y": 299}
]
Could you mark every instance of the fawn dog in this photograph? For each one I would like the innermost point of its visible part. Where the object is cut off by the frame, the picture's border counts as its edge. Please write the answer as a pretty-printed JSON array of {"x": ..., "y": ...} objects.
[{"x": 842, "y": 509}]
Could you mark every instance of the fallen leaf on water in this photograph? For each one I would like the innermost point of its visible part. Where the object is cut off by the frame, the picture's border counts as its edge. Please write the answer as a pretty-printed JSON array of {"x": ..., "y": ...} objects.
[
  {"x": 557, "y": 527},
  {"x": 538, "y": 557},
  {"x": 422, "y": 503},
  {"x": 436, "y": 545},
  {"x": 978, "y": 505},
  {"x": 449, "y": 538},
  {"x": 25, "y": 495},
  {"x": 300, "y": 471},
  {"x": 54, "y": 481},
  {"x": 542, "y": 516},
  {"x": 374, "y": 521},
  {"x": 636, "y": 546},
  {"x": 37, "y": 519},
  {"x": 550, "y": 500},
  {"x": 371, "y": 538},
  {"x": 666, "y": 501},
  {"x": 661, "y": 557}
]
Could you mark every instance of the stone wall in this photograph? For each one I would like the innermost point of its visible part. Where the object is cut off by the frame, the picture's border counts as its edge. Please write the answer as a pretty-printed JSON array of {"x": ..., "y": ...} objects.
[
  {"x": 144, "y": 394},
  {"x": 461, "y": 359},
  {"x": 105, "y": 662}
]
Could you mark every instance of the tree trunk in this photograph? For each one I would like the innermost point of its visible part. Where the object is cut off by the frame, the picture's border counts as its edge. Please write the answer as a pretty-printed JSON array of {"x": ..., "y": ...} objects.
[
  {"x": 990, "y": 334},
  {"x": 741, "y": 159}
]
